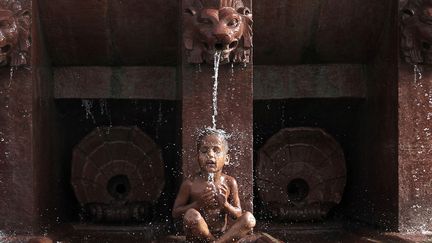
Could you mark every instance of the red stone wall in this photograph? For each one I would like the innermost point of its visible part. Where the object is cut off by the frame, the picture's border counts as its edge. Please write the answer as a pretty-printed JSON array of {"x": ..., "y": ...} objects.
[
  {"x": 319, "y": 31},
  {"x": 373, "y": 197},
  {"x": 17, "y": 199},
  {"x": 415, "y": 148},
  {"x": 46, "y": 135},
  {"x": 28, "y": 182}
]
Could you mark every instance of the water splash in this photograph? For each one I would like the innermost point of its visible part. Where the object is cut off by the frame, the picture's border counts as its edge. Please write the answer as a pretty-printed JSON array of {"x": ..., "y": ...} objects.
[
  {"x": 11, "y": 75},
  {"x": 5, "y": 237},
  {"x": 88, "y": 105},
  {"x": 417, "y": 73},
  {"x": 282, "y": 115},
  {"x": 2, "y": 235},
  {"x": 217, "y": 58},
  {"x": 200, "y": 132},
  {"x": 159, "y": 120},
  {"x": 103, "y": 106},
  {"x": 232, "y": 69},
  {"x": 104, "y": 109},
  {"x": 210, "y": 177}
]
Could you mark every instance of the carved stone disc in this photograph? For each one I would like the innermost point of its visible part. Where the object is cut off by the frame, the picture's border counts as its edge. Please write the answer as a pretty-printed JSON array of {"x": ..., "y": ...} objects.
[
  {"x": 301, "y": 173},
  {"x": 117, "y": 164}
]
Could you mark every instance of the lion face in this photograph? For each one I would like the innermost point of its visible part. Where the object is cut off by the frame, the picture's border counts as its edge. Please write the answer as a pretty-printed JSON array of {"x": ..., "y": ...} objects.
[
  {"x": 8, "y": 36},
  {"x": 225, "y": 29},
  {"x": 219, "y": 30},
  {"x": 416, "y": 32}
]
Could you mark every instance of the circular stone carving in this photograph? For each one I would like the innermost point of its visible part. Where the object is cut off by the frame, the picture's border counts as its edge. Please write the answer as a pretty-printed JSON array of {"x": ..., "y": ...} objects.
[
  {"x": 301, "y": 174},
  {"x": 117, "y": 166}
]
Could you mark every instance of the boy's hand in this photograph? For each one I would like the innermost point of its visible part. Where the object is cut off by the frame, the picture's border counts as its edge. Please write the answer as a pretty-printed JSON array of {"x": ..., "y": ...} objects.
[
  {"x": 221, "y": 196},
  {"x": 206, "y": 198}
]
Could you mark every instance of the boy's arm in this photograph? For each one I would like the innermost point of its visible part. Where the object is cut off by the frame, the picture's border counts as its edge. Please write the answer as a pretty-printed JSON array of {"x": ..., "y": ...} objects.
[
  {"x": 234, "y": 208},
  {"x": 180, "y": 205}
]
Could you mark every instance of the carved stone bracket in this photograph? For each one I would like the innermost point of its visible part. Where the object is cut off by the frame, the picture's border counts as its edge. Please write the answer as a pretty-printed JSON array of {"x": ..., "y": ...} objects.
[
  {"x": 217, "y": 25},
  {"x": 301, "y": 174},
  {"x": 15, "y": 22},
  {"x": 416, "y": 31},
  {"x": 117, "y": 174}
]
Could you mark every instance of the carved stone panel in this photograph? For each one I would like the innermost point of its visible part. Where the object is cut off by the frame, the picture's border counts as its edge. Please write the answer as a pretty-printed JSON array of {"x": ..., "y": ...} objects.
[
  {"x": 217, "y": 25},
  {"x": 416, "y": 32},
  {"x": 301, "y": 174},
  {"x": 117, "y": 174},
  {"x": 15, "y": 21}
]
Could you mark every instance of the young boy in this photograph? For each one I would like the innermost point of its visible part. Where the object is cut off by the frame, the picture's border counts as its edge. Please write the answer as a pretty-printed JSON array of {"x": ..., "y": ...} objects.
[{"x": 205, "y": 200}]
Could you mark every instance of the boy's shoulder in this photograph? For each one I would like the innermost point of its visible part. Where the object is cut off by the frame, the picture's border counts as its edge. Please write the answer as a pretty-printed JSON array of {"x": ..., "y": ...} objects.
[{"x": 231, "y": 180}]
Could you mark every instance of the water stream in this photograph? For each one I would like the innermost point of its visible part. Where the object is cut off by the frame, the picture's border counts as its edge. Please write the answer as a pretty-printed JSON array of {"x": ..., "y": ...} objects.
[
  {"x": 11, "y": 75},
  {"x": 104, "y": 110},
  {"x": 103, "y": 104},
  {"x": 88, "y": 105},
  {"x": 159, "y": 121},
  {"x": 217, "y": 58},
  {"x": 210, "y": 177},
  {"x": 417, "y": 73}
]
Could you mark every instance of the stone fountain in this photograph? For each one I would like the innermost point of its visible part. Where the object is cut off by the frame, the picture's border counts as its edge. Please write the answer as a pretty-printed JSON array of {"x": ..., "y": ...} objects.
[{"x": 328, "y": 103}]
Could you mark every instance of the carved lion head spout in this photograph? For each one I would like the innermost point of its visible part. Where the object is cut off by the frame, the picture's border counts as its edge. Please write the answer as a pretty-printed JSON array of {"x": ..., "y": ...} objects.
[
  {"x": 217, "y": 25},
  {"x": 416, "y": 43},
  {"x": 14, "y": 33}
]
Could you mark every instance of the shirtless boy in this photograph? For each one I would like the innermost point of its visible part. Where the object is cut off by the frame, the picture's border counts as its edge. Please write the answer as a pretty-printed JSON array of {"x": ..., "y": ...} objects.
[{"x": 205, "y": 200}]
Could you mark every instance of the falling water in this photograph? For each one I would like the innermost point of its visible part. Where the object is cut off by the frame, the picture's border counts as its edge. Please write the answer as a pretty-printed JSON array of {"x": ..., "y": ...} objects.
[
  {"x": 104, "y": 109},
  {"x": 88, "y": 105},
  {"x": 217, "y": 57},
  {"x": 282, "y": 115},
  {"x": 159, "y": 120},
  {"x": 210, "y": 180},
  {"x": 103, "y": 106},
  {"x": 417, "y": 73},
  {"x": 3, "y": 237},
  {"x": 210, "y": 177},
  {"x": 11, "y": 75},
  {"x": 232, "y": 69}
]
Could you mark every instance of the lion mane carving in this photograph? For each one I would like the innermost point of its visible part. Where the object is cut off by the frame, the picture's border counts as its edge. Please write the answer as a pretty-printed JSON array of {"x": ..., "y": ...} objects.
[
  {"x": 416, "y": 32},
  {"x": 217, "y": 25},
  {"x": 15, "y": 23}
]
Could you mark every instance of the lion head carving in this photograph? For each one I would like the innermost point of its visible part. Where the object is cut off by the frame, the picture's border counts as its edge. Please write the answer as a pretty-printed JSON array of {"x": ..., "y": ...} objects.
[
  {"x": 14, "y": 33},
  {"x": 416, "y": 33},
  {"x": 217, "y": 25}
]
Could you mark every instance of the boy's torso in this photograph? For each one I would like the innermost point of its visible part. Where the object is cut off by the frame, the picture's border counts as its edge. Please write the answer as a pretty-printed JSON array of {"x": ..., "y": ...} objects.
[{"x": 213, "y": 214}]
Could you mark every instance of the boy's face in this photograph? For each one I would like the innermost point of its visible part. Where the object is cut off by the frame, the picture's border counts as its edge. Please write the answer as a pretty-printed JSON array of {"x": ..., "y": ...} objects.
[{"x": 212, "y": 153}]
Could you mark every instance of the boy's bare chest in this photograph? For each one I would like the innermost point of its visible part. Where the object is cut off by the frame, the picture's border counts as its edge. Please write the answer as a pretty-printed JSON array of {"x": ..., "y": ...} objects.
[{"x": 200, "y": 188}]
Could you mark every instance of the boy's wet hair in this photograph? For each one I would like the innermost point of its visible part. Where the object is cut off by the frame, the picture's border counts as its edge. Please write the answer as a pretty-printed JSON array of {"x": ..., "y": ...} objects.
[{"x": 213, "y": 131}]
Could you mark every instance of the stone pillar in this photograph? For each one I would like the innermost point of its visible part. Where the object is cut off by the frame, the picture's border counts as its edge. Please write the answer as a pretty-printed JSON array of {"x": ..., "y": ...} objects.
[
  {"x": 415, "y": 148},
  {"x": 17, "y": 197},
  {"x": 16, "y": 168},
  {"x": 415, "y": 117},
  {"x": 235, "y": 100},
  {"x": 26, "y": 129}
]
